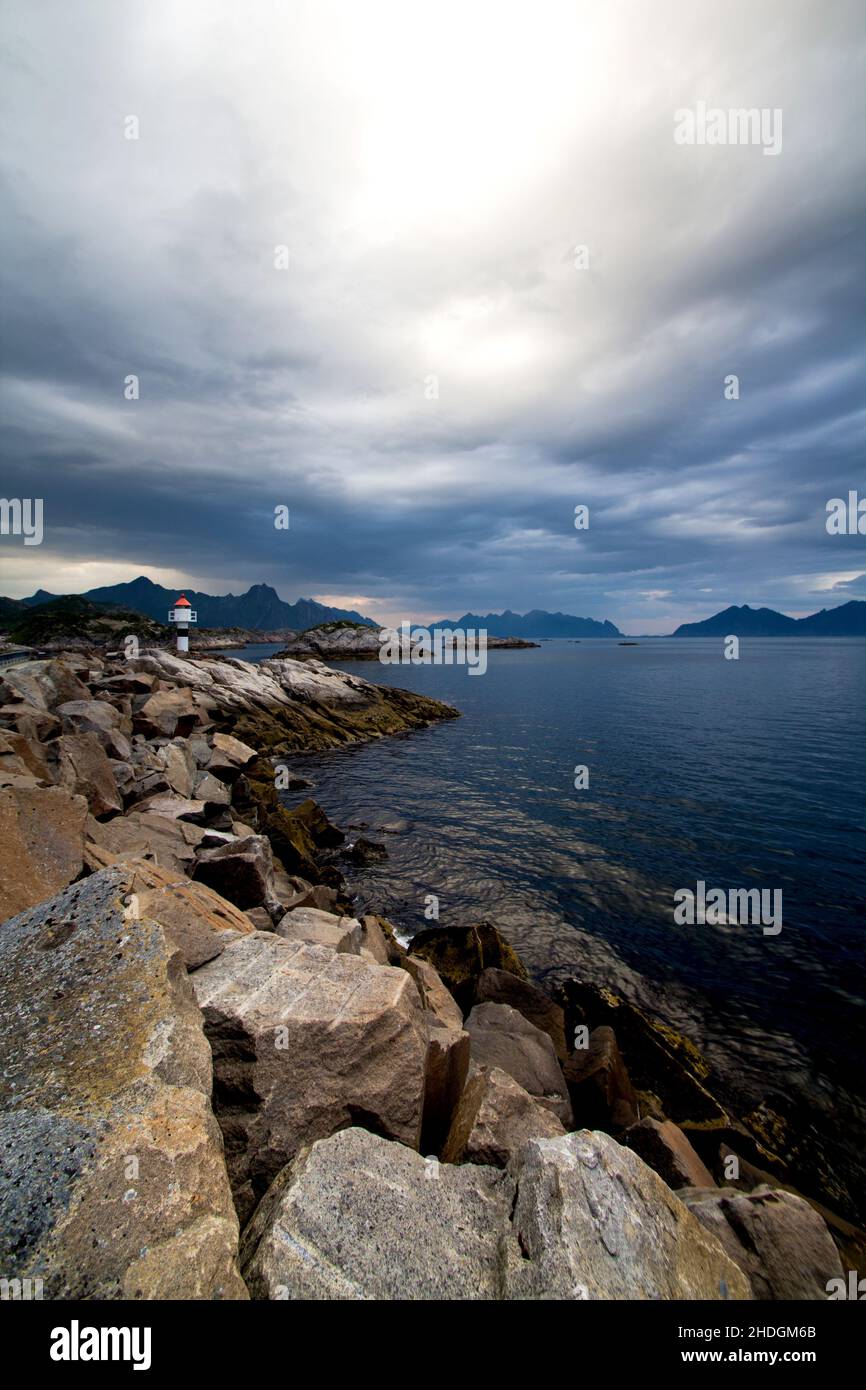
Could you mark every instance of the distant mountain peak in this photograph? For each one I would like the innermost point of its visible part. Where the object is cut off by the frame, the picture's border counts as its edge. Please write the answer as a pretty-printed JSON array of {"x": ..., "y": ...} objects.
[
  {"x": 848, "y": 620},
  {"x": 259, "y": 609}
]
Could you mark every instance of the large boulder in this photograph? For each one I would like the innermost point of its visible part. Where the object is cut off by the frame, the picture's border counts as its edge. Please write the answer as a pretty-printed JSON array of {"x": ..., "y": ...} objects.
[
  {"x": 41, "y": 844},
  {"x": 241, "y": 870},
  {"x": 666, "y": 1149},
  {"x": 179, "y": 767},
  {"x": 45, "y": 684},
  {"x": 778, "y": 1240},
  {"x": 83, "y": 767},
  {"x": 496, "y": 986},
  {"x": 356, "y": 1217},
  {"x": 195, "y": 919},
  {"x": 575, "y": 1217},
  {"x": 93, "y": 717},
  {"x": 307, "y": 1041},
  {"x": 321, "y": 929},
  {"x": 461, "y": 954},
  {"x": 494, "y": 1118},
  {"x": 169, "y": 843},
  {"x": 114, "y": 1183},
  {"x": 501, "y": 1037},
  {"x": 602, "y": 1095},
  {"x": 166, "y": 713},
  {"x": 432, "y": 992},
  {"x": 593, "y": 1221}
]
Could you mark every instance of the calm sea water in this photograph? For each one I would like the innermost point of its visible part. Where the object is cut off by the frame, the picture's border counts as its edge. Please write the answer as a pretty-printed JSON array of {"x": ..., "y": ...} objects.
[{"x": 743, "y": 774}]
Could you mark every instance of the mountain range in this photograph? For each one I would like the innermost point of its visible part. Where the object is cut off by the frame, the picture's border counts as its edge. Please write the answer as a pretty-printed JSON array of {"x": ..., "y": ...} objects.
[
  {"x": 259, "y": 609},
  {"x": 849, "y": 620},
  {"x": 534, "y": 624}
]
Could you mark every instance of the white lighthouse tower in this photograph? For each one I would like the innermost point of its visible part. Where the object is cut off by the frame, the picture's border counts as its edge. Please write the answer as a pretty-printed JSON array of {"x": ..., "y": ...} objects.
[{"x": 183, "y": 614}]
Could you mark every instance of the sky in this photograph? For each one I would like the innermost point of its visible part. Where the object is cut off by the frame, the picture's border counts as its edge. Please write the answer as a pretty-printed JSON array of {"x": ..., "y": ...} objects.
[{"x": 343, "y": 260}]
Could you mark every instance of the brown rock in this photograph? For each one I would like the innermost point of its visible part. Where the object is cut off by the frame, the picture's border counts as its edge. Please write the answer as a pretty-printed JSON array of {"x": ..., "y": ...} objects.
[
  {"x": 168, "y": 712},
  {"x": 197, "y": 920},
  {"x": 776, "y": 1239},
  {"x": 432, "y": 992},
  {"x": 91, "y": 717},
  {"x": 179, "y": 767},
  {"x": 170, "y": 844},
  {"x": 666, "y": 1149},
  {"x": 601, "y": 1093},
  {"x": 501, "y": 1037},
  {"x": 502, "y": 987},
  {"x": 321, "y": 929},
  {"x": 41, "y": 844},
  {"x": 83, "y": 768},
  {"x": 305, "y": 1042},
  {"x": 241, "y": 871},
  {"x": 445, "y": 1076},
  {"x": 494, "y": 1119}
]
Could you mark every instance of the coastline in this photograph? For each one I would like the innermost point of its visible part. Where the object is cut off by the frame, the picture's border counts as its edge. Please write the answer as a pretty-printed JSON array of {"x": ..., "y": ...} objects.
[{"x": 154, "y": 779}]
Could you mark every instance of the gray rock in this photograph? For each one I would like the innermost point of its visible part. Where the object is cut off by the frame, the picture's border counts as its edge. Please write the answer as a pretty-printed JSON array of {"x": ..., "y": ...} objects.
[
  {"x": 306, "y": 1041},
  {"x": 357, "y": 1217},
  {"x": 114, "y": 1183},
  {"x": 501, "y": 1037},
  {"x": 502, "y": 987},
  {"x": 778, "y": 1240},
  {"x": 321, "y": 929},
  {"x": 593, "y": 1221}
]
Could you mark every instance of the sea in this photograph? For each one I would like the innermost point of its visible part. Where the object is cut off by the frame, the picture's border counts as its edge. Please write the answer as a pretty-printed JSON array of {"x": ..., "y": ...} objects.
[{"x": 737, "y": 774}]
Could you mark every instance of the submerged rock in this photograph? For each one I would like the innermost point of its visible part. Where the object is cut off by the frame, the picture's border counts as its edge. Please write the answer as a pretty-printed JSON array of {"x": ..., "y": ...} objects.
[{"x": 461, "y": 954}]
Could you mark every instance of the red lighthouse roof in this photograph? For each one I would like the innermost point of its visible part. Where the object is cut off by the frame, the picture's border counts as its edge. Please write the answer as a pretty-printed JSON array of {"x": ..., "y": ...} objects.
[{"x": 183, "y": 602}]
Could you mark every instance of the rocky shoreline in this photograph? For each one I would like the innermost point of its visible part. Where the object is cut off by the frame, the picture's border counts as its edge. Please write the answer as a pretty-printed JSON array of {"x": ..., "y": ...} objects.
[{"x": 219, "y": 1083}]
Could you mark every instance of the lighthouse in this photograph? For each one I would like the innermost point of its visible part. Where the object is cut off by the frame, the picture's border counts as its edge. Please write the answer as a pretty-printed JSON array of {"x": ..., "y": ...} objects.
[{"x": 182, "y": 614}]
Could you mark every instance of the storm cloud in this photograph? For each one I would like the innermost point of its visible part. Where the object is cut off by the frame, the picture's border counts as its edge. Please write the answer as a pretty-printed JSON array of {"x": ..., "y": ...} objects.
[{"x": 439, "y": 374}]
